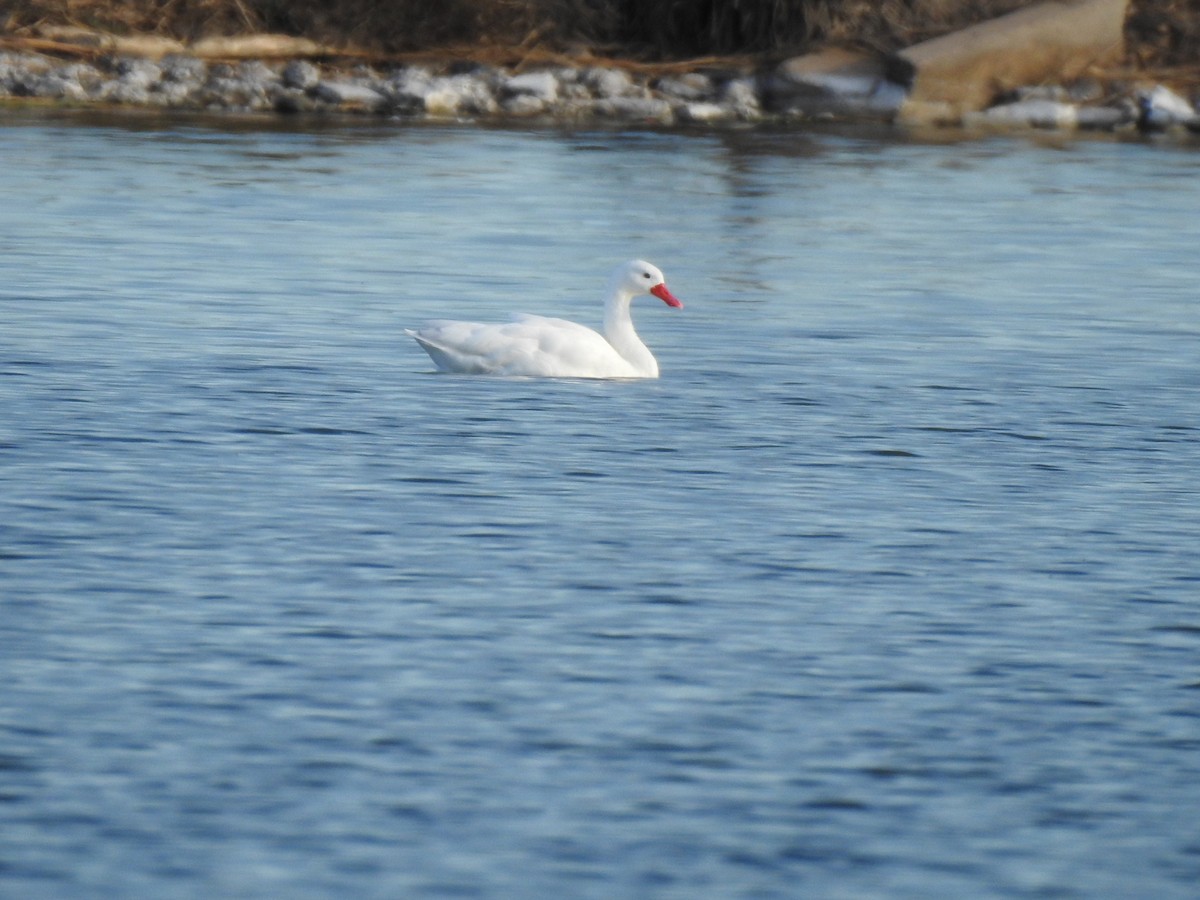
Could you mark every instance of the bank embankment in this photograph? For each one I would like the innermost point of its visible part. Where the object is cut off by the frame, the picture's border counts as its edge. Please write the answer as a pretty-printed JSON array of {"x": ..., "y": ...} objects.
[{"x": 1096, "y": 64}]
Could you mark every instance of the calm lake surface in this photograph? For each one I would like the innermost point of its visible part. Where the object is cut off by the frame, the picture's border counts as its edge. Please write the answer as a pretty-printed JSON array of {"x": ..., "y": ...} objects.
[{"x": 889, "y": 587}]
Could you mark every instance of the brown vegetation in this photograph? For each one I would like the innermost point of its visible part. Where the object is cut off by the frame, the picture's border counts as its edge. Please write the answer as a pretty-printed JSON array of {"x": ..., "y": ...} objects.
[
  {"x": 1162, "y": 33},
  {"x": 664, "y": 28}
]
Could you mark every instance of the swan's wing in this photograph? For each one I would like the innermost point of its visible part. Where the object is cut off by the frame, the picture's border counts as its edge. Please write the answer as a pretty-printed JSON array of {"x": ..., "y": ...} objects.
[
  {"x": 529, "y": 345},
  {"x": 473, "y": 347},
  {"x": 569, "y": 350}
]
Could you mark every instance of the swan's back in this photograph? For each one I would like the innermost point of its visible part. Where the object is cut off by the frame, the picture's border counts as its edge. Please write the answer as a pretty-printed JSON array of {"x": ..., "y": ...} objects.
[{"x": 529, "y": 345}]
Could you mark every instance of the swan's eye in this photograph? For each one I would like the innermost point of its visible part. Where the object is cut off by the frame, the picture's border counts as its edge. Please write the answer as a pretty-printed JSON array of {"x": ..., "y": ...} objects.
[{"x": 645, "y": 274}]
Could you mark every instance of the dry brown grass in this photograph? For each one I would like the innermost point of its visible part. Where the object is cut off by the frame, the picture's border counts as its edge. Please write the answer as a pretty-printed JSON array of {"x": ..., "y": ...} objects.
[
  {"x": 1164, "y": 33},
  {"x": 664, "y": 28},
  {"x": 1161, "y": 32}
]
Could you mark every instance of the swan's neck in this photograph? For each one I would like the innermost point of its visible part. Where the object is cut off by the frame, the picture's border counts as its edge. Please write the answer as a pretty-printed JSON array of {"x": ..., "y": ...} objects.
[{"x": 618, "y": 331}]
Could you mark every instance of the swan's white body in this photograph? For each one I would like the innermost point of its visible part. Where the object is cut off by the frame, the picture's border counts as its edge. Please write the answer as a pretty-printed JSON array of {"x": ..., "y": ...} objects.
[{"x": 555, "y": 348}]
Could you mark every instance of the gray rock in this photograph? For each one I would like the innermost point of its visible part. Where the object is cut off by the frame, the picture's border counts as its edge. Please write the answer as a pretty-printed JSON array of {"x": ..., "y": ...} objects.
[
  {"x": 741, "y": 96},
  {"x": 414, "y": 90},
  {"x": 135, "y": 80},
  {"x": 524, "y": 105},
  {"x": 476, "y": 94},
  {"x": 704, "y": 113},
  {"x": 8, "y": 62},
  {"x": 1161, "y": 108},
  {"x": 636, "y": 109},
  {"x": 1034, "y": 113},
  {"x": 184, "y": 70},
  {"x": 540, "y": 85},
  {"x": 226, "y": 90},
  {"x": 1086, "y": 90},
  {"x": 56, "y": 85},
  {"x": 1105, "y": 118},
  {"x": 693, "y": 86},
  {"x": 443, "y": 98},
  {"x": 19, "y": 82},
  {"x": 574, "y": 90},
  {"x": 256, "y": 71},
  {"x": 347, "y": 93},
  {"x": 86, "y": 76},
  {"x": 173, "y": 94},
  {"x": 301, "y": 74},
  {"x": 6, "y": 74},
  {"x": 835, "y": 81},
  {"x": 138, "y": 73},
  {"x": 607, "y": 83},
  {"x": 453, "y": 95},
  {"x": 37, "y": 77},
  {"x": 406, "y": 89},
  {"x": 126, "y": 93}
]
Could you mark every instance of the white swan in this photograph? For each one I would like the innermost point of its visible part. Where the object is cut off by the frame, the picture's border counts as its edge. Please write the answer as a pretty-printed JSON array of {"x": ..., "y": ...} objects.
[{"x": 556, "y": 348}]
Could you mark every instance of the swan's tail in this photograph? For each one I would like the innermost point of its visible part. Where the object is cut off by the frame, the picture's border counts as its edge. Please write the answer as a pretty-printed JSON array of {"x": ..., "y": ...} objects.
[{"x": 443, "y": 357}]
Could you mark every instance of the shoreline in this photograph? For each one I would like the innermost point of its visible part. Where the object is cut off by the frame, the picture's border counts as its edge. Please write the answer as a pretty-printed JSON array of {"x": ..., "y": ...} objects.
[
  {"x": 560, "y": 96},
  {"x": 263, "y": 75}
]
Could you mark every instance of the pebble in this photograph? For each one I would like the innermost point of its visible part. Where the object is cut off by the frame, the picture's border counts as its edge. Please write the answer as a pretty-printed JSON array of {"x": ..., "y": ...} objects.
[{"x": 183, "y": 82}]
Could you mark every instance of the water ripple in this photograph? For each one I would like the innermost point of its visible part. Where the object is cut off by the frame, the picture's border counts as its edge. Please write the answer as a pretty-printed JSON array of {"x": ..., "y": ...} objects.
[{"x": 887, "y": 586}]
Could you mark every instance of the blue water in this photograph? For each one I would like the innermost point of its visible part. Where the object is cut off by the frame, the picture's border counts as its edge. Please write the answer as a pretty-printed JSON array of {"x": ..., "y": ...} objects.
[{"x": 889, "y": 587}]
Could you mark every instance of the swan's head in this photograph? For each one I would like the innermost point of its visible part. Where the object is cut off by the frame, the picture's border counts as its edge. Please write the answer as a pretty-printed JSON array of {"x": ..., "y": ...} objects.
[{"x": 640, "y": 277}]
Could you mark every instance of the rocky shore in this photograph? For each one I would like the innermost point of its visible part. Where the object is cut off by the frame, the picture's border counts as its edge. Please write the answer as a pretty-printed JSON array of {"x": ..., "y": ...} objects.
[
  {"x": 461, "y": 91},
  {"x": 986, "y": 76}
]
